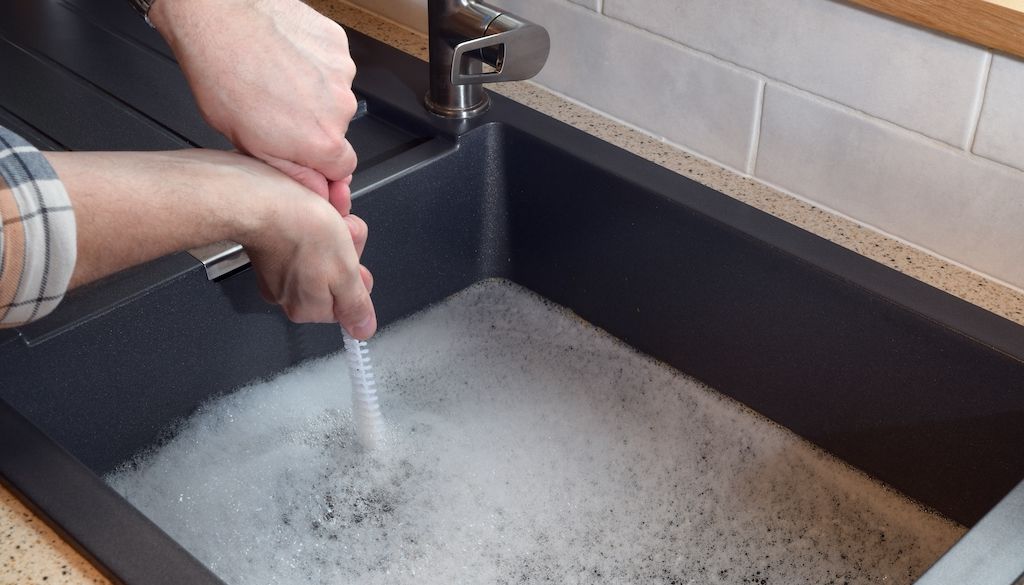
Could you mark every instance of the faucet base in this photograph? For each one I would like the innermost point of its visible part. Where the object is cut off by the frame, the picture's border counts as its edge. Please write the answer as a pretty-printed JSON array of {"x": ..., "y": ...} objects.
[{"x": 458, "y": 113}]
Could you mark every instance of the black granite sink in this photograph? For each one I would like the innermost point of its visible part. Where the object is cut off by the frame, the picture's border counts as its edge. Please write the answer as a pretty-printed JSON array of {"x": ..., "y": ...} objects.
[{"x": 918, "y": 389}]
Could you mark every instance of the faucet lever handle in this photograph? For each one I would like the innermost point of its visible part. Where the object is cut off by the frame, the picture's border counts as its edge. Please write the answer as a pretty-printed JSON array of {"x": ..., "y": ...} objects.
[{"x": 522, "y": 49}]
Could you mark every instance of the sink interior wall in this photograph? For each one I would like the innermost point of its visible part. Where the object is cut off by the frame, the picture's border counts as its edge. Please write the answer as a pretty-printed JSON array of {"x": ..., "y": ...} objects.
[{"x": 905, "y": 398}]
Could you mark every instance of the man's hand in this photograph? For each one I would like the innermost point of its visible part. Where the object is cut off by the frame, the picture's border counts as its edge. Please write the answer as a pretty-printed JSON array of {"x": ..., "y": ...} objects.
[
  {"x": 275, "y": 77},
  {"x": 306, "y": 256},
  {"x": 133, "y": 207}
]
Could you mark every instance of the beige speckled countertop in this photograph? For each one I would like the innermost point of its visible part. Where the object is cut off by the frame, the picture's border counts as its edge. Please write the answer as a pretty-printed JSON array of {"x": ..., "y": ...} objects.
[{"x": 31, "y": 553}]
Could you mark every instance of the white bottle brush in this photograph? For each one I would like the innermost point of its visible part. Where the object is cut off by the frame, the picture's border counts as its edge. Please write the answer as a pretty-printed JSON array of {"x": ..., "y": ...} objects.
[{"x": 365, "y": 408}]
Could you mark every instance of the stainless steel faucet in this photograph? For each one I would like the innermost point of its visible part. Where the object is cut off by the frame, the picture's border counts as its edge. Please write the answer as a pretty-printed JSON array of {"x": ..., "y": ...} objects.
[{"x": 465, "y": 34}]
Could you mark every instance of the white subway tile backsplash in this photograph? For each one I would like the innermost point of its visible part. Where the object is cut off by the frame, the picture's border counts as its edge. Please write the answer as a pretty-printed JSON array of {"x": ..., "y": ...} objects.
[
  {"x": 912, "y": 77},
  {"x": 958, "y": 205},
  {"x": 669, "y": 90},
  {"x": 1001, "y": 128}
]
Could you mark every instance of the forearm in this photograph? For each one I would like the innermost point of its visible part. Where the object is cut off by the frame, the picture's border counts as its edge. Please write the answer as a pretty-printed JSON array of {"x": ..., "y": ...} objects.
[{"x": 134, "y": 207}]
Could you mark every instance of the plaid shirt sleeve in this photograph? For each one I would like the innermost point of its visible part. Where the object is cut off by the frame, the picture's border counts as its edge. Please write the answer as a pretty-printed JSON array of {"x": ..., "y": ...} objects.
[{"x": 37, "y": 234}]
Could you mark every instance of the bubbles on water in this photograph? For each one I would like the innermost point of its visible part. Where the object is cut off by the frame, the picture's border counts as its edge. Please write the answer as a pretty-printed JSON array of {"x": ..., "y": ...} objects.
[{"x": 522, "y": 446}]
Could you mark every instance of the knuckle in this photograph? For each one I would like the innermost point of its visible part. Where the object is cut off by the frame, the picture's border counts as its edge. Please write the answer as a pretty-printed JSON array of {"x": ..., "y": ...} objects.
[
  {"x": 348, "y": 103},
  {"x": 216, "y": 118},
  {"x": 341, "y": 36},
  {"x": 367, "y": 277},
  {"x": 333, "y": 144},
  {"x": 353, "y": 160},
  {"x": 304, "y": 313},
  {"x": 294, "y": 314}
]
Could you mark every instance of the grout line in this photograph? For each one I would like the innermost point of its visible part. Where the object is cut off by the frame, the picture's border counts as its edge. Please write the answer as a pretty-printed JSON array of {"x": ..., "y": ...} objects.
[
  {"x": 979, "y": 103},
  {"x": 640, "y": 129},
  {"x": 755, "y": 139},
  {"x": 733, "y": 65},
  {"x": 892, "y": 126}
]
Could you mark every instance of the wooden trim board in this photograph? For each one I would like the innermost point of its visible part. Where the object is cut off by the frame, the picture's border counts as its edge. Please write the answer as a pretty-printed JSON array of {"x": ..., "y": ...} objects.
[{"x": 997, "y": 24}]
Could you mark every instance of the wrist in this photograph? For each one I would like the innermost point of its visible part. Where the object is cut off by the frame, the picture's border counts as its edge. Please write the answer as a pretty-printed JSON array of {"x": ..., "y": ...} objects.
[
  {"x": 234, "y": 198},
  {"x": 191, "y": 15}
]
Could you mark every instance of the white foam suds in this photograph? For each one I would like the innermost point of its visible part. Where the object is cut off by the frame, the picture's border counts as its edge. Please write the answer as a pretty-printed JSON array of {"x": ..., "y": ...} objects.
[{"x": 522, "y": 446}]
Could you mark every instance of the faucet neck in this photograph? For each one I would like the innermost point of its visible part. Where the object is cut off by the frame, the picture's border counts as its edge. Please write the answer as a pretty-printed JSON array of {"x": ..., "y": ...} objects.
[
  {"x": 449, "y": 23},
  {"x": 465, "y": 34}
]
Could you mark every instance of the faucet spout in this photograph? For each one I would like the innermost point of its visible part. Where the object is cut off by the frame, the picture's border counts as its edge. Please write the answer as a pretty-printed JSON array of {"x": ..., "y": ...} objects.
[{"x": 465, "y": 35}]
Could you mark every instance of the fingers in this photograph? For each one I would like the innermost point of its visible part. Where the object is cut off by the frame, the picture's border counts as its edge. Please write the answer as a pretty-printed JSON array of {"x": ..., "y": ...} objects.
[
  {"x": 341, "y": 195},
  {"x": 367, "y": 277},
  {"x": 265, "y": 291},
  {"x": 309, "y": 264},
  {"x": 347, "y": 302},
  {"x": 313, "y": 273},
  {"x": 328, "y": 151},
  {"x": 359, "y": 231},
  {"x": 354, "y": 310},
  {"x": 332, "y": 156},
  {"x": 305, "y": 176}
]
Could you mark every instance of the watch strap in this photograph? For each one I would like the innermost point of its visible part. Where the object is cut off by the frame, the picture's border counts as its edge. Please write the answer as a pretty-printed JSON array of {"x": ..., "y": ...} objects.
[{"x": 142, "y": 7}]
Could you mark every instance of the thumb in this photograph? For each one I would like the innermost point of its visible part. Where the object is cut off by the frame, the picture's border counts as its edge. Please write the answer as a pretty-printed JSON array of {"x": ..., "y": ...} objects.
[{"x": 356, "y": 313}]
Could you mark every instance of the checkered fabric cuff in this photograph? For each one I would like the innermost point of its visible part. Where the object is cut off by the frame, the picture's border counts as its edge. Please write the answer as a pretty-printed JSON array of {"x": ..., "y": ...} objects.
[{"x": 37, "y": 234}]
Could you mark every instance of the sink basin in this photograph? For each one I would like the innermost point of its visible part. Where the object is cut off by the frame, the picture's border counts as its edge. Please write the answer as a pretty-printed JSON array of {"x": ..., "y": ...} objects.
[{"x": 918, "y": 389}]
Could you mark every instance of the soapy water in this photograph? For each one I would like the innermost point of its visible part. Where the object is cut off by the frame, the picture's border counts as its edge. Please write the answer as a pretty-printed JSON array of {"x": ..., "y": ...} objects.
[{"x": 522, "y": 445}]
